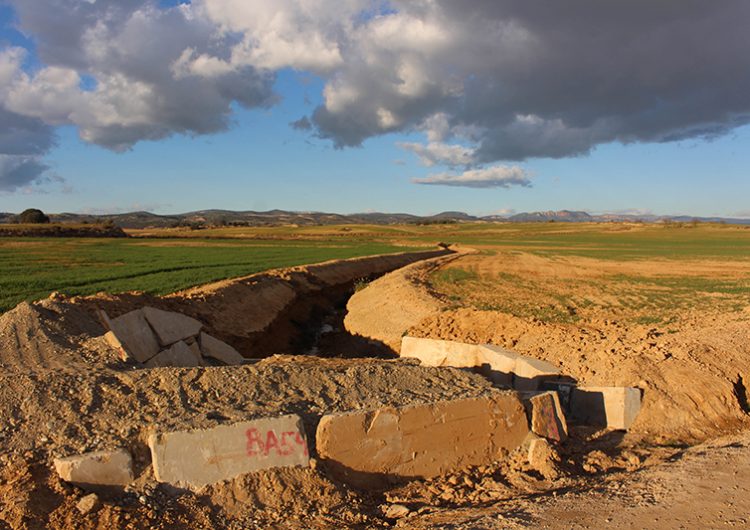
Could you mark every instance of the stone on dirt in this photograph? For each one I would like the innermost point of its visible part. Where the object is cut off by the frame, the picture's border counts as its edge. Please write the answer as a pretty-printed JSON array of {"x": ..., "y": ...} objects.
[
  {"x": 396, "y": 511},
  {"x": 613, "y": 407},
  {"x": 179, "y": 355},
  {"x": 194, "y": 459},
  {"x": 171, "y": 327},
  {"x": 88, "y": 504},
  {"x": 101, "y": 468},
  {"x": 221, "y": 351},
  {"x": 133, "y": 332},
  {"x": 546, "y": 416},
  {"x": 371, "y": 449},
  {"x": 543, "y": 458}
]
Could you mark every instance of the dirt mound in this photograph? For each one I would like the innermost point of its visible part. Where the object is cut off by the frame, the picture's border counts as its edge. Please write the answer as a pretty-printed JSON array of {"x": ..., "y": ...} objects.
[
  {"x": 690, "y": 390},
  {"x": 49, "y": 414},
  {"x": 51, "y": 335},
  {"x": 691, "y": 369},
  {"x": 392, "y": 304}
]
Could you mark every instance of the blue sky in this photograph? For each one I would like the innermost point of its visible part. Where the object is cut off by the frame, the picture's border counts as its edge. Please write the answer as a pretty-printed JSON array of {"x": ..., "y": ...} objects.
[{"x": 260, "y": 162}]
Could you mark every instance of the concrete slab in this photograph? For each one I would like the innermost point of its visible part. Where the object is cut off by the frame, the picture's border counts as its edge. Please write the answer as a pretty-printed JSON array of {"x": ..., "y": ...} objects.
[
  {"x": 221, "y": 351},
  {"x": 495, "y": 362},
  {"x": 546, "y": 416},
  {"x": 613, "y": 407},
  {"x": 371, "y": 449},
  {"x": 179, "y": 355},
  {"x": 498, "y": 364},
  {"x": 135, "y": 335},
  {"x": 194, "y": 459},
  {"x": 171, "y": 327},
  {"x": 101, "y": 468},
  {"x": 530, "y": 373}
]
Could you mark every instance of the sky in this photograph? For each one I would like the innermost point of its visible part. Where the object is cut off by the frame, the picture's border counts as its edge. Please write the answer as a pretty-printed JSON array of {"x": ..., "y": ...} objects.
[{"x": 419, "y": 106}]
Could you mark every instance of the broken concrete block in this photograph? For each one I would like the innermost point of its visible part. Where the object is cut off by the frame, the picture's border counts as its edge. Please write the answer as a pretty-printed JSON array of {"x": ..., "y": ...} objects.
[
  {"x": 133, "y": 332},
  {"x": 221, "y": 351},
  {"x": 179, "y": 355},
  {"x": 89, "y": 503},
  {"x": 546, "y": 416},
  {"x": 529, "y": 373},
  {"x": 171, "y": 327},
  {"x": 563, "y": 387},
  {"x": 371, "y": 449},
  {"x": 543, "y": 458},
  {"x": 433, "y": 352},
  {"x": 194, "y": 459},
  {"x": 494, "y": 362},
  {"x": 497, "y": 364},
  {"x": 613, "y": 407},
  {"x": 102, "y": 468}
]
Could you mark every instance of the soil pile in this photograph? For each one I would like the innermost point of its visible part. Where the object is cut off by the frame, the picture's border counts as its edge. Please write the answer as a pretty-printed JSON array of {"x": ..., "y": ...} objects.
[{"x": 692, "y": 369}]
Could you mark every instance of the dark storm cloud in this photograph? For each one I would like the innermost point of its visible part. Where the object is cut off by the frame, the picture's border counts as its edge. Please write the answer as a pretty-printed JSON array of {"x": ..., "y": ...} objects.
[{"x": 548, "y": 79}]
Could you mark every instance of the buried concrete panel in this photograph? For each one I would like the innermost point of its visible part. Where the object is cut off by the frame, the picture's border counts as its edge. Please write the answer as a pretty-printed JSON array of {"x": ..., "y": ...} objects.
[
  {"x": 432, "y": 352},
  {"x": 193, "y": 459},
  {"x": 132, "y": 331},
  {"x": 179, "y": 355},
  {"x": 546, "y": 416},
  {"x": 530, "y": 373},
  {"x": 502, "y": 366},
  {"x": 171, "y": 327},
  {"x": 493, "y": 362},
  {"x": 370, "y": 449},
  {"x": 613, "y": 407},
  {"x": 221, "y": 351},
  {"x": 101, "y": 468}
]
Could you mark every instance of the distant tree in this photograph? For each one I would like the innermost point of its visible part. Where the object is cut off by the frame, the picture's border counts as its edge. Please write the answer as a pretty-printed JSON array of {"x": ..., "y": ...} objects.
[{"x": 33, "y": 216}]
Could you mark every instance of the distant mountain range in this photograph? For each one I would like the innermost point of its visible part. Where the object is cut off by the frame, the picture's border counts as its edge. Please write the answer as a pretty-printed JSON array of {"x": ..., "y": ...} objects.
[{"x": 282, "y": 217}]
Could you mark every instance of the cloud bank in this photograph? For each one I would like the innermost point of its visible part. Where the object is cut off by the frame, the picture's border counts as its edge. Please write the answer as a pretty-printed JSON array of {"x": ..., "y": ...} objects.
[
  {"x": 485, "y": 81},
  {"x": 491, "y": 177}
]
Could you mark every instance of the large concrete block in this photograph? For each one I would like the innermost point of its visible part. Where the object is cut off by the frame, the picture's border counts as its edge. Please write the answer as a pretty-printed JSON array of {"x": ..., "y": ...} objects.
[
  {"x": 171, "y": 327},
  {"x": 133, "y": 333},
  {"x": 221, "y": 351},
  {"x": 546, "y": 416},
  {"x": 102, "y": 468},
  {"x": 179, "y": 355},
  {"x": 194, "y": 459},
  {"x": 530, "y": 373},
  {"x": 613, "y": 407},
  {"x": 371, "y": 449},
  {"x": 433, "y": 352},
  {"x": 494, "y": 362},
  {"x": 497, "y": 364}
]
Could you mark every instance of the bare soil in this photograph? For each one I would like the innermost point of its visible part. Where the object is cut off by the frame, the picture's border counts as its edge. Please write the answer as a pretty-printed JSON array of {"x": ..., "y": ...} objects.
[{"x": 63, "y": 391}]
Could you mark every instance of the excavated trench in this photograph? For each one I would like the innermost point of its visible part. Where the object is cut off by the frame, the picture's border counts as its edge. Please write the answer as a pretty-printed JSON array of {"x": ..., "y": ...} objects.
[{"x": 314, "y": 325}]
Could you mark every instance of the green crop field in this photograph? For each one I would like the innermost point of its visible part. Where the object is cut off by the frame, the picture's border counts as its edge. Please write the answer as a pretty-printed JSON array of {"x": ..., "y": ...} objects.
[
  {"x": 31, "y": 268},
  {"x": 162, "y": 260}
]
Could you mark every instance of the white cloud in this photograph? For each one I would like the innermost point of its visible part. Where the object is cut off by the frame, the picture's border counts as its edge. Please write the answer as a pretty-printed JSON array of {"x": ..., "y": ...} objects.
[
  {"x": 485, "y": 81},
  {"x": 435, "y": 153},
  {"x": 490, "y": 177}
]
